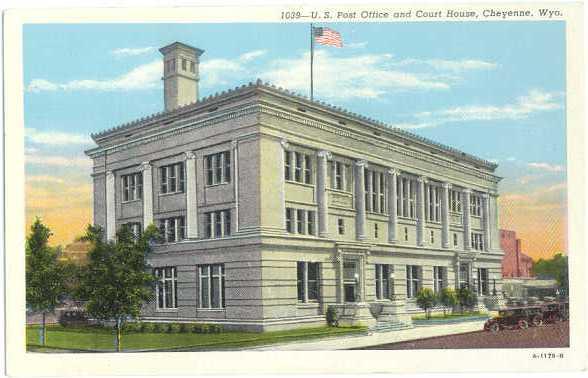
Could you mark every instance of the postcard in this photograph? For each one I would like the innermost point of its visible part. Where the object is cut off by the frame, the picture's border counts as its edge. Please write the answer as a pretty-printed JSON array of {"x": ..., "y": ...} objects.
[{"x": 295, "y": 189}]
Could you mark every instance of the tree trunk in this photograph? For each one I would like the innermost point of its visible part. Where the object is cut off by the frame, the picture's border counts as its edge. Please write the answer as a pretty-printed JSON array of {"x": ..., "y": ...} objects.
[{"x": 43, "y": 330}]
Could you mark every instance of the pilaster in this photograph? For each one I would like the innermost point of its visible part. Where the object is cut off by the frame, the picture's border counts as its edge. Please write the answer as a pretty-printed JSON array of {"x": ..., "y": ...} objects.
[
  {"x": 191, "y": 200},
  {"x": 110, "y": 206},
  {"x": 360, "y": 217},
  {"x": 421, "y": 211},
  {"x": 321, "y": 191},
  {"x": 467, "y": 230},
  {"x": 486, "y": 221},
  {"x": 392, "y": 211},
  {"x": 147, "y": 170},
  {"x": 445, "y": 215}
]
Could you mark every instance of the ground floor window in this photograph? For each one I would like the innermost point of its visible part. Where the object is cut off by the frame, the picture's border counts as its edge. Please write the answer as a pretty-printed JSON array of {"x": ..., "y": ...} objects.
[
  {"x": 212, "y": 286},
  {"x": 483, "y": 281},
  {"x": 307, "y": 283},
  {"x": 413, "y": 281},
  {"x": 464, "y": 276},
  {"x": 439, "y": 278},
  {"x": 383, "y": 281},
  {"x": 166, "y": 288}
]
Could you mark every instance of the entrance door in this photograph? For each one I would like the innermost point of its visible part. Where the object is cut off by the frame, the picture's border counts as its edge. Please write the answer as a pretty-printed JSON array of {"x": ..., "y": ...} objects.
[{"x": 350, "y": 280}]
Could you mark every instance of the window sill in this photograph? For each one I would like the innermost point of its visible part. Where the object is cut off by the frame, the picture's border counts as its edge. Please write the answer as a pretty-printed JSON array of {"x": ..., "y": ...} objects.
[
  {"x": 171, "y": 310},
  {"x": 215, "y": 185},
  {"x": 211, "y": 309},
  {"x": 131, "y": 201},
  {"x": 170, "y": 193},
  {"x": 308, "y": 304},
  {"x": 341, "y": 191},
  {"x": 300, "y": 183}
]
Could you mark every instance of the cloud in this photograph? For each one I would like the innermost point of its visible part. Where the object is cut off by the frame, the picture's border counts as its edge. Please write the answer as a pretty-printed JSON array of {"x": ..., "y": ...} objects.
[
  {"x": 129, "y": 51},
  {"x": 54, "y": 138},
  {"x": 361, "y": 76},
  {"x": 535, "y": 101},
  {"x": 356, "y": 45},
  {"x": 547, "y": 167},
  {"x": 45, "y": 179},
  {"x": 144, "y": 76},
  {"x": 222, "y": 71},
  {"x": 58, "y": 161},
  {"x": 450, "y": 65},
  {"x": 251, "y": 55}
]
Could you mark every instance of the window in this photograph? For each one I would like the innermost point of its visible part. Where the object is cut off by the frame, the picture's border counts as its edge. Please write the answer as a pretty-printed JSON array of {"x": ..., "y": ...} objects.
[
  {"x": 287, "y": 165},
  {"x": 172, "y": 229},
  {"x": 212, "y": 286},
  {"x": 382, "y": 281},
  {"x": 483, "y": 281},
  {"x": 405, "y": 233},
  {"x": 193, "y": 67},
  {"x": 375, "y": 230},
  {"x": 302, "y": 164},
  {"x": 432, "y": 237},
  {"x": 341, "y": 226},
  {"x": 477, "y": 241},
  {"x": 300, "y": 221},
  {"x": 218, "y": 168},
  {"x": 433, "y": 203},
  {"x": 135, "y": 228},
  {"x": 340, "y": 176},
  {"x": 184, "y": 64},
  {"x": 172, "y": 178},
  {"x": 166, "y": 287},
  {"x": 132, "y": 187},
  {"x": 464, "y": 276},
  {"x": 307, "y": 283},
  {"x": 455, "y": 201},
  {"x": 406, "y": 199},
  {"x": 475, "y": 205},
  {"x": 218, "y": 224},
  {"x": 374, "y": 191},
  {"x": 439, "y": 277},
  {"x": 413, "y": 282},
  {"x": 455, "y": 242},
  {"x": 171, "y": 65}
]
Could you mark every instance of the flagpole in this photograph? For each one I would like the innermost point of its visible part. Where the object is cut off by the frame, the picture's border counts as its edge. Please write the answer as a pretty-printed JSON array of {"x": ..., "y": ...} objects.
[{"x": 311, "y": 61}]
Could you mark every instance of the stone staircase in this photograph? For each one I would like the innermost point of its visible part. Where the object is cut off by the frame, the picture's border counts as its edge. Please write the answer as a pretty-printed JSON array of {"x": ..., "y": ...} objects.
[{"x": 389, "y": 326}]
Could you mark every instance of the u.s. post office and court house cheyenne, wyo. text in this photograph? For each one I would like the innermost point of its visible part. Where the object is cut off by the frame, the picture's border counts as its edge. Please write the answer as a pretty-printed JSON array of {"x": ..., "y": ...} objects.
[{"x": 273, "y": 207}]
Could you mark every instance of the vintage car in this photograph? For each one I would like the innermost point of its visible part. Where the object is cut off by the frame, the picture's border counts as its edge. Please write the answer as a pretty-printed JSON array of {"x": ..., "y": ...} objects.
[
  {"x": 555, "y": 311},
  {"x": 515, "y": 318}
]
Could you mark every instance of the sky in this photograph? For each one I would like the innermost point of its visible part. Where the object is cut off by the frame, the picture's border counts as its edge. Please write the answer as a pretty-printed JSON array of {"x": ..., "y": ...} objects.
[{"x": 492, "y": 89}]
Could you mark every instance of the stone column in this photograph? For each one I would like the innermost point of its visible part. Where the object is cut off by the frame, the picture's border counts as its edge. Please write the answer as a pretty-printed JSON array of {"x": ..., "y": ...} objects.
[
  {"x": 445, "y": 215},
  {"x": 486, "y": 221},
  {"x": 467, "y": 234},
  {"x": 421, "y": 211},
  {"x": 285, "y": 147},
  {"x": 321, "y": 194},
  {"x": 392, "y": 211},
  {"x": 360, "y": 217},
  {"x": 235, "y": 155},
  {"x": 191, "y": 202},
  {"x": 110, "y": 206},
  {"x": 340, "y": 285},
  {"x": 494, "y": 234},
  {"x": 400, "y": 193},
  {"x": 147, "y": 194},
  {"x": 457, "y": 269}
]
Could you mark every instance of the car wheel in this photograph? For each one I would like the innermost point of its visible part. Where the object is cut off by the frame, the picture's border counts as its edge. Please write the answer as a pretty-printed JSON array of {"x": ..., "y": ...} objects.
[
  {"x": 523, "y": 324},
  {"x": 494, "y": 327},
  {"x": 537, "y": 321}
]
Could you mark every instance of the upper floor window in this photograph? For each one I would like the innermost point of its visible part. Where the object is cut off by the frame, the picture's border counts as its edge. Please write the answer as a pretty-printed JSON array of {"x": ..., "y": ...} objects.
[
  {"x": 476, "y": 205},
  {"x": 455, "y": 242},
  {"x": 374, "y": 191},
  {"x": 135, "y": 228},
  {"x": 433, "y": 203},
  {"x": 218, "y": 168},
  {"x": 340, "y": 176},
  {"x": 307, "y": 281},
  {"x": 455, "y": 201},
  {"x": 300, "y": 221},
  {"x": 193, "y": 67},
  {"x": 406, "y": 199},
  {"x": 170, "y": 65},
  {"x": 383, "y": 281},
  {"x": 172, "y": 178},
  {"x": 172, "y": 229},
  {"x": 132, "y": 187},
  {"x": 184, "y": 64},
  {"x": 341, "y": 226},
  {"x": 218, "y": 224},
  {"x": 212, "y": 286},
  {"x": 166, "y": 287},
  {"x": 439, "y": 277},
  {"x": 477, "y": 241}
]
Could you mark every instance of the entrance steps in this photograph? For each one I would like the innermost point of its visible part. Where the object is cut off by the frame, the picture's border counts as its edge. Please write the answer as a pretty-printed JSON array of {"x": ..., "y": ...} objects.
[{"x": 391, "y": 326}]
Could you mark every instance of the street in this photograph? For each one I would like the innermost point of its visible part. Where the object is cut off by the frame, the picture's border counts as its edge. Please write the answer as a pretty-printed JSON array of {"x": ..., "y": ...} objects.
[{"x": 546, "y": 336}]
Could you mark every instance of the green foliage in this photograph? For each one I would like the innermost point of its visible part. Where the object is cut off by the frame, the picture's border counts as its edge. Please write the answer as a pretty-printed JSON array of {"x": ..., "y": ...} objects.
[
  {"x": 448, "y": 298},
  {"x": 332, "y": 317},
  {"x": 426, "y": 299},
  {"x": 555, "y": 268},
  {"x": 466, "y": 298},
  {"x": 44, "y": 284},
  {"x": 117, "y": 280},
  {"x": 147, "y": 327}
]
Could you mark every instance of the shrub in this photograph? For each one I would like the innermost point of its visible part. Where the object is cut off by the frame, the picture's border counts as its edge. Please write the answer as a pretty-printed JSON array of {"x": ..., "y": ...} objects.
[
  {"x": 205, "y": 328},
  {"x": 132, "y": 327},
  {"x": 196, "y": 328},
  {"x": 426, "y": 299},
  {"x": 466, "y": 298},
  {"x": 184, "y": 327},
  {"x": 147, "y": 327},
  {"x": 174, "y": 328},
  {"x": 448, "y": 298},
  {"x": 216, "y": 328},
  {"x": 158, "y": 328},
  {"x": 332, "y": 317}
]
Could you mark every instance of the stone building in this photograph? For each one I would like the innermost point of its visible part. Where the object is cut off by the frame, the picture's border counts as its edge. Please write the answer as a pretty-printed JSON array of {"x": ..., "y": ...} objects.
[{"x": 273, "y": 207}]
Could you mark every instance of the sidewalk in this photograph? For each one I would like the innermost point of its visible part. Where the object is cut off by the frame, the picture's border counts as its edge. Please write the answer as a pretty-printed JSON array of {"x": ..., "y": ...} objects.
[{"x": 351, "y": 342}]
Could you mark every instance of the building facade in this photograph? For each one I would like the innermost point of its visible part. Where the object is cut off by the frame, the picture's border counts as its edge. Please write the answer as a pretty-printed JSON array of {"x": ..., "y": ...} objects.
[
  {"x": 273, "y": 207},
  {"x": 515, "y": 263}
]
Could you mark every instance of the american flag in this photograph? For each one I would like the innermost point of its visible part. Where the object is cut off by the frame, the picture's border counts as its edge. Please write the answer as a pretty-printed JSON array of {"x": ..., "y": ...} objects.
[{"x": 326, "y": 36}]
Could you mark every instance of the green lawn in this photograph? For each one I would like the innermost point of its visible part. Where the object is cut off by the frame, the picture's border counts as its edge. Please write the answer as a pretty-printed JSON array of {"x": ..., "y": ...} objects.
[
  {"x": 103, "y": 340},
  {"x": 450, "y": 315}
]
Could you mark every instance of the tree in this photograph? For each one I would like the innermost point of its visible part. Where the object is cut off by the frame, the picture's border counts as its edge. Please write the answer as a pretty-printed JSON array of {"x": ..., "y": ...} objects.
[
  {"x": 426, "y": 299},
  {"x": 117, "y": 280},
  {"x": 44, "y": 283},
  {"x": 555, "y": 268},
  {"x": 448, "y": 298},
  {"x": 466, "y": 298}
]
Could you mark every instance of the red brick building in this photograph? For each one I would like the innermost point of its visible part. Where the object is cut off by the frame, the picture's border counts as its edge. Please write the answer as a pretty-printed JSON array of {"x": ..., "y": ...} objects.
[{"x": 515, "y": 263}]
